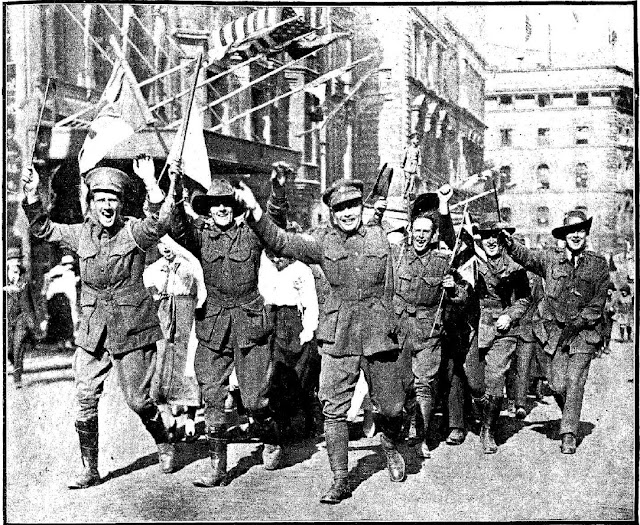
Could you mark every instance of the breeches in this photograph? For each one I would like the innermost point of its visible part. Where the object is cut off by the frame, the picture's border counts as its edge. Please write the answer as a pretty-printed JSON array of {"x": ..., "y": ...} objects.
[
  {"x": 498, "y": 361},
  {"x": 568, "y": 375},
  {"x": 134, "y": 371},
  {"x": 385, "y": 376}
]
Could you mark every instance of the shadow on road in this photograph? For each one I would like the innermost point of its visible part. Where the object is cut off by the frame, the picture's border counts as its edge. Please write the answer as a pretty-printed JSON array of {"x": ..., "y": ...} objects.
[
  {"x": 367, "y": 466},
  {"x": 140, "y": 463},
  {"x": 551, "y": 429}
]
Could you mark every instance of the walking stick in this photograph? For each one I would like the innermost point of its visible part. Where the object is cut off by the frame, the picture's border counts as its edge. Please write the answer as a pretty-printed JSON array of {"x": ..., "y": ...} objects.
[
  {"x": 453, "y": 254},
  {"x": 35, "y": 138}
]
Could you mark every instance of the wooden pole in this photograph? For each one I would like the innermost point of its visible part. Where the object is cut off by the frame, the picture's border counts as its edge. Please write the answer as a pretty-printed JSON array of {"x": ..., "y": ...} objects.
[{"x": 35, "y": 138}]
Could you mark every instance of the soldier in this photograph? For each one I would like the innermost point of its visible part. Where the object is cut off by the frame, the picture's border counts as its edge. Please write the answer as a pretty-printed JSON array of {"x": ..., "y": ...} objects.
[
  {"x": 423, "y": 285},
  {"x": 118, "y": 325},
  {"x": 21, "y": 320},
  {"x": 356, "y": 323},
  {"x": 572, "y": 310},
  {"x": 505, "y": 296},
  {"x": 234, "y": 329}
]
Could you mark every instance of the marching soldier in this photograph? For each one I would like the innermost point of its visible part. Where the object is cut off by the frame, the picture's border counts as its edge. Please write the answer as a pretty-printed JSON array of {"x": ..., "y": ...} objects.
[
  {"x": 118, "y": 326},
  {"x": 234, "y": 329},
  {"x": 505, "y": 296},
  {"x": 576, "y": 282},
  {"x": 356, "y": 324}
]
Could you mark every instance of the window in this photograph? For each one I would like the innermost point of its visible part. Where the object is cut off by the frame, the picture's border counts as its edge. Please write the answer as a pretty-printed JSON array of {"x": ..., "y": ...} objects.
[
  {"x": 582, "y": 99},
  {"x": 505, "y": 214},
  {"x": 544, "y": 100},
  {"x": 505, "y": 100},
  {"x": 582, "y": 175},
  {"x": 505, "y": 137},
  {"x": 543, "y": 136},
  {"x": 542, "y": 173},
  {"x": 543, "y": 215},
  {"x": 582, "y": 135},
  {"x": 505, "y": 177}
]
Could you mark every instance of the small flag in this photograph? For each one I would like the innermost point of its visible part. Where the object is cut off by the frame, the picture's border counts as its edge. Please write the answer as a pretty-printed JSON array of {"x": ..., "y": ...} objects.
[
  {"x": 195, "y": 160},
  {"x": 119, "y": 117},
  {"x": 613, "y": 38},
  {"x": 527, "y": 28}
]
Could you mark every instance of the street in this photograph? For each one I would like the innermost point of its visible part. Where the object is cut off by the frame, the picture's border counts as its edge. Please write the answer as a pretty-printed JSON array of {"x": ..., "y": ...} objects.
[{"x": 528, "y": 479}]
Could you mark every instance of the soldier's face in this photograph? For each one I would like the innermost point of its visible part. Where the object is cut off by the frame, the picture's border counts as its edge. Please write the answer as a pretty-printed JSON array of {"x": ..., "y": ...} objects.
[
  {"x": 166, "y": 252},
  {"x": 348, "y": 215},
  {"x": 222, "y": 214},
  {"x": 13, "y": 271},
  {"x": 576, "y": 241},
  {"x": 106, "y": 207},
  {"x": 490, "y": 244},
  {"x": 421, "y": 234}
]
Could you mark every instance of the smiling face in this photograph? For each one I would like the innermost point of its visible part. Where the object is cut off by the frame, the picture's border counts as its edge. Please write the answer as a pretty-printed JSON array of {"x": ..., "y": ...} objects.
[
  {"x": 576, "y": 241},
  {"x": 421, "y": 234},
  {"x": 348, "y": 215},
  {"x": 222, "y": 212},
  {"x": 107, "y": 207},
  {"x": 166, "y": 252},
  {"x": 489, "y": 242}
]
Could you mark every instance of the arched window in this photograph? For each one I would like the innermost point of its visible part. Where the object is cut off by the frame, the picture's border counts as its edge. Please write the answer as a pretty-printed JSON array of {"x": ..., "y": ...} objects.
[
  {"x": 505, "y": 177},
  {"x": 543, "y": 215},
  {"x": 582, "y": 175},
  {"x": 542, "y": 173}
]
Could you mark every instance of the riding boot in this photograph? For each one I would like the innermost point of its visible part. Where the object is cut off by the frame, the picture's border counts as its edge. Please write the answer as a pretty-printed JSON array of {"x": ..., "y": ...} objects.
[
  {"x": 389, "y": 440},
  {"x": 217, "y": 441},
  {"x": 88, "y": 437},
  {"x": 270, "y": 437},
  {"x": 336, "y": 435},
  {"x": 425, "y": 404},
  {"x": 152, "y": 420},
  {"x": 490, "y": 418}
]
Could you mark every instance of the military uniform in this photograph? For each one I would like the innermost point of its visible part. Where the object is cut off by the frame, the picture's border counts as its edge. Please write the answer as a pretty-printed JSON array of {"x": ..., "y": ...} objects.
[
  {"x": 356, "y": 322},
  {"x": 118, "y": 325},
  {"x": 575, "y": 296}
]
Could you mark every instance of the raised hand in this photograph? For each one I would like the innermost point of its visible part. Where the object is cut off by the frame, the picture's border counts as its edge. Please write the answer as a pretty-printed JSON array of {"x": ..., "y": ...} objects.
[
  {"x": 244, "y": 196},
  {"x": 445, "y": 192},
  {"x": 144, "y": 168}
]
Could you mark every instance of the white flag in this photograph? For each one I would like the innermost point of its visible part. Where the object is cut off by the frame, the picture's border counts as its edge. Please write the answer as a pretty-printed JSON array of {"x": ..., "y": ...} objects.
[{"x": 195, "y": 160}]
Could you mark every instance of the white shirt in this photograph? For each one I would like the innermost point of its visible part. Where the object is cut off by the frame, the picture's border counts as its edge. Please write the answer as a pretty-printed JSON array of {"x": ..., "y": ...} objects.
[{"x": 291, "y": 286}]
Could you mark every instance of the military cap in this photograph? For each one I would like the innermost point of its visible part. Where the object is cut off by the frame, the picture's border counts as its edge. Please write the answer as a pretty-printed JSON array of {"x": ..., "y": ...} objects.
[
  {"x": 491, "y": 224},
  {"x": 67, "y": 259},
  {"x": 573, "y": 221},
  {"x": 625, "y": 288},
  {"x": 220, "y": 190},
  {"x": 425, "y": 205},
  {"x": 343, "y": 190},
  {"x": 14, "y": 252},
  {"x": 107, "y": 179}
]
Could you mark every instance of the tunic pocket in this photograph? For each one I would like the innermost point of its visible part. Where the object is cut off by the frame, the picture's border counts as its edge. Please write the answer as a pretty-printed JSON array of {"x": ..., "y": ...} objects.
[
  {"x": 328, "y": 321},
  {"x": 257, "y": 326},
  {"x": 335, "y": 267}
]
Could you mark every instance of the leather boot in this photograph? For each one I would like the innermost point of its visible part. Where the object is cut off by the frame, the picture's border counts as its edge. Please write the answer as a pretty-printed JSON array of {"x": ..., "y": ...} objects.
[
  {"x": 160, "y": 434},
  {"x": 425, "y": 405},
  {"x": 88, "y": 437},
  {"x": 336, "y": 434},
  {"x": 217, "y": 476},
  {"x": 490, "y": 417},
  {"x": 272, "y": 451},
  {"x": 568, "y": 445},
  {"x": 390, "y": 437}
]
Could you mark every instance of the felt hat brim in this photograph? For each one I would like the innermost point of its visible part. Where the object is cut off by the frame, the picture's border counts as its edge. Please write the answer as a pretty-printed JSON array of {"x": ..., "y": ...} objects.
[
  {"x": 201, "y": 204},
  {"x": 562, "y": 231}
]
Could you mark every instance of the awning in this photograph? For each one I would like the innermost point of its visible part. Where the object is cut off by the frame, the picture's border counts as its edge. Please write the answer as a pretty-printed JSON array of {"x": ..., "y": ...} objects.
[{"x": 225, "y": 150}]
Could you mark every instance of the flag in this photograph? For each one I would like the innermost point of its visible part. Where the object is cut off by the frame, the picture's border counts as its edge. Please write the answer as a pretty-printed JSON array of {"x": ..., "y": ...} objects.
[
  {"x": 119, "y": 117},
  {"x": 613, "y": 38},
  {"x": 195, "y": 159},
  {"x": 527, "y": 28}
]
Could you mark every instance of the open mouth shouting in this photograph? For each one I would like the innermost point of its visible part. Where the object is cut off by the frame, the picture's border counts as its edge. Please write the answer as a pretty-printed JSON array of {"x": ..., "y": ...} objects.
[
  {"x": 106, "y": 206},
  {"x": 221, "y": 214}
]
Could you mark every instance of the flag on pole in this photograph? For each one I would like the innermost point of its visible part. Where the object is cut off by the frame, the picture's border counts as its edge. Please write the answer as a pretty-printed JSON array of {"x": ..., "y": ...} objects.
[
  {"x": 195, "y": 160},
  {"x": 527, "y": 28},
  {"x": 119, "y": 117}
]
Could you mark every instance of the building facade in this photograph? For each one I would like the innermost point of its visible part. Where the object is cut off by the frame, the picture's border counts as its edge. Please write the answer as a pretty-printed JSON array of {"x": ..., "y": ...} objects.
[{"x": 565, "y": 137}]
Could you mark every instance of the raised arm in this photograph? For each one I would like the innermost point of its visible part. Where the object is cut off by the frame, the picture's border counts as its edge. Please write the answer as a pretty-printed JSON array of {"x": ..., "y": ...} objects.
[{"x": 533, "y": 260}]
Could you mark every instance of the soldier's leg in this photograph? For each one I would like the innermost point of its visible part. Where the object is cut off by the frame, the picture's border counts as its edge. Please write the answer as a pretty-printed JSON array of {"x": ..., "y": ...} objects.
[
  {"x": 558, "y": 370},
  {"x": 577, "y": 372},
  {"x": 90, "y": 371},
  {"x": 135, "y": 372},
  {"x": 385, "y": 374},
  {"x": 474, "y": 367},
  {"x": 498, "y": 362},
  {"x": 524, "y": 354},
  {"x": 20, "y": 337},
  {"x": 425, "y": 365},
  {"x": 213, "y": 368},
  {"x": 455, "y": 393},
  {"x": 338, "y": 378}
]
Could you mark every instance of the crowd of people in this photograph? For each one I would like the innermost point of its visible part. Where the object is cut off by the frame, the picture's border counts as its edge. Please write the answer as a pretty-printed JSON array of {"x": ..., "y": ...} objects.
[{"x": 307, "y": 326}]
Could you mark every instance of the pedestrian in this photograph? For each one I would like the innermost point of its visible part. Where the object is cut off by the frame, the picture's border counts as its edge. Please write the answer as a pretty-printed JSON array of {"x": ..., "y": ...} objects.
[
  {"x": 505, "y": 296},
  {"x": 20, "y": 312},
  {"x": 411, "y": 162},
  {"x": 356, "y": 325},
  {"x": 623, "y": 306},
  {"x": 118, "y": 326},
  {"x": 572, "y": 312},
  {"x": 608, "y": 318},
  {"x": 178, "y": 288},
  {"x": 233, "y": 327},
  {"x": 288, "y": 288},
  {"x": 61, "y": 282}
]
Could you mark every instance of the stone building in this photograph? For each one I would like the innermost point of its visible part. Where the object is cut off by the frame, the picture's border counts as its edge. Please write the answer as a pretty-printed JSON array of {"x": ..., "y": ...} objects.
[{"x": 565, "y": 137}]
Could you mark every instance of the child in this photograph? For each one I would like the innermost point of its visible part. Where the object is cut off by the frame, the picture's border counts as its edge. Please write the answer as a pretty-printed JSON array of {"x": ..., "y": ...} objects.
[
  {"x": 411, "y": 162},
  {"x": 609, "y": 312},
  {"x": 623, "y": 305}
]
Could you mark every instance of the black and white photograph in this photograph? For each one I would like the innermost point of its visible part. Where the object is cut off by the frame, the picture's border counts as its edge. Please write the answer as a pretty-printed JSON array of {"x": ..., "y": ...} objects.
[{"x": 326, "y": 262}]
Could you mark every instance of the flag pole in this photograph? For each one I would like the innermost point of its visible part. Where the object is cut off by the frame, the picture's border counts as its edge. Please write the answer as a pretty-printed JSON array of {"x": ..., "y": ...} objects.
[
  {"x": 35, "y": 138},
  {"x": 185, "y": 118}
]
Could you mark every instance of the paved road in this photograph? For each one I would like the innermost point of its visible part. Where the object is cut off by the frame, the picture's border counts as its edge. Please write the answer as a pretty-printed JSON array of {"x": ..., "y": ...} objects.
[{"x": 528, "y": 479}]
